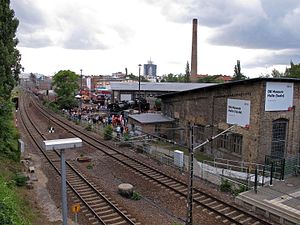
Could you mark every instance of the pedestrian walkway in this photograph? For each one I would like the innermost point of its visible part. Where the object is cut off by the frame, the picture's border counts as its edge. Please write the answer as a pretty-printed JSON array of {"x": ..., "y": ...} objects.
[{"x": 279, "y": 202}]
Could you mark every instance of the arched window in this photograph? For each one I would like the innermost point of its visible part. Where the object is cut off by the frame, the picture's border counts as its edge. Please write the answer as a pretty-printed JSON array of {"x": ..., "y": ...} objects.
[{"x": 279, "y": 137}]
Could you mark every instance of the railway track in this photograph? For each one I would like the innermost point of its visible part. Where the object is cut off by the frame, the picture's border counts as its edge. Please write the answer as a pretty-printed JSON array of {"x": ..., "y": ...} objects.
[
  {"x": 224, "y": 212},
  {"x": 99, "y": 208}
]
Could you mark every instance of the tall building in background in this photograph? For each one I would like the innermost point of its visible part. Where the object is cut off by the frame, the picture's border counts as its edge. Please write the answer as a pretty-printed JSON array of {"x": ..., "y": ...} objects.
[{"x": 150, "y": 70}]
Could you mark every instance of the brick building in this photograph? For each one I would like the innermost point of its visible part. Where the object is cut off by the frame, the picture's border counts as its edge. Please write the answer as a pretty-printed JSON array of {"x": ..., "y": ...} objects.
[{"x": 266, "y": 109}]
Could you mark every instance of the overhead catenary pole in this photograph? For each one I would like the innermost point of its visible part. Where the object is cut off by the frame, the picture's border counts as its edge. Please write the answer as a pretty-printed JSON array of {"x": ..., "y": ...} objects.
[
  {"x": 139, "y": 88},
  {"x": 190, "y": 181},
  {"x": 80, "y": 92},
  {"x": 189, "y": 220}
]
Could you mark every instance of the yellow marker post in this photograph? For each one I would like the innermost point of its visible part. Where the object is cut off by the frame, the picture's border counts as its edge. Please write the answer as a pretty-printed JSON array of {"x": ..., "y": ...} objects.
[{"x": 75, "y": 210}]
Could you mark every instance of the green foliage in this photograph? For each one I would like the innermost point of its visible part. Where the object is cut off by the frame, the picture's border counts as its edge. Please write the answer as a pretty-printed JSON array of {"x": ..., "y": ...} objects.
[
  {"x": 187, "y": 72},
  {"x": 136, "y": 196},
  {"x": 126, "y": 136},
  {"x": 90, "y": 166},
  {"x": 275, "y": 73},
  {"x": 237, "y": 72},
  {"x": 225, "y": 185},
  {"x": 8, "y": 132},
  {"x": 237, "y": 191},
  {"x": 88, "y": 127},
  {"x": 10, "y": 69},
  {"x": 180, "y": 78},
  {"x": 293, "y": 71},
  {"x": 108, "y": 130},
  {"x": 209, "y": 79},
  {"x": 20, "y": 180},
  {"x": 11, "y": 206},
  {"x": 66, "y": 84},
  {"x": 10, "y": 57}
]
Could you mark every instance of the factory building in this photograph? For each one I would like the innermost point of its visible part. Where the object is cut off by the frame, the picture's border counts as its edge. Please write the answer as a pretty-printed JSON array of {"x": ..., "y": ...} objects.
[{"x": 266, "y": 112}]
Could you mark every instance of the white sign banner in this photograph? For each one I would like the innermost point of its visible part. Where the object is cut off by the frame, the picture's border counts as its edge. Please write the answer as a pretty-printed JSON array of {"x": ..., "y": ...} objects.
[
  {"x": 88, "y": 83},
  {"x": 279, "y": 96},
  {"x": 238, "y": 112}
]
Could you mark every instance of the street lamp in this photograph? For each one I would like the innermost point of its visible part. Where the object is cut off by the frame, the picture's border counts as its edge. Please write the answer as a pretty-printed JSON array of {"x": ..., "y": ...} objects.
[
  {"x": 139, "y": 88},
  {"x": 62, "y": 144},
  {"x": 189, "y": 220}
]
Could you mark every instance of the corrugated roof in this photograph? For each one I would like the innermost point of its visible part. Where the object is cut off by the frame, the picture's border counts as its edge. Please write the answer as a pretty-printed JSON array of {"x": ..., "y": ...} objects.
[
  {"x": 163, "y": 86},
  {"x": 232, "y": 83},
  {"x": 151, "y": 118}
]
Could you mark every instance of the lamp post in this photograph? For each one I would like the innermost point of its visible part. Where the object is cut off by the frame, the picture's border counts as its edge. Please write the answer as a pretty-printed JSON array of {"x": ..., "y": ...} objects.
[
  {"x": 139, "y": 88},
  {"x": 62, "y": 144},
  {"x": 189, "y": 220}
]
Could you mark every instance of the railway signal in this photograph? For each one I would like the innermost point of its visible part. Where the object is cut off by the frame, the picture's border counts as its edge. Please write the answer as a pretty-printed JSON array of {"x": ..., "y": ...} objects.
[{"x": 75, "y": 210}]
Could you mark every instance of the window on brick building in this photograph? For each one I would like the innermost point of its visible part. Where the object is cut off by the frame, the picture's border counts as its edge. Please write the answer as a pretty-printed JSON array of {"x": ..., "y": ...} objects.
[
  {"x": 231, "y": 142},
  {"x": 279, "y": 128}
]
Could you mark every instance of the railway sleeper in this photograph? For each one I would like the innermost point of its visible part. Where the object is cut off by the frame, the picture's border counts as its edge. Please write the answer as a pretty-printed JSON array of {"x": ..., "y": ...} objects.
[
  {"x": 79, "y": 185},
  {"x": 114, "y": 219},
  {"x": 96, "y": 202},
  {"x": 238, "y": 216},
  {"x": 90, "y": 196},
  {"x": 230, "y": 213},
  {"x": 246, "y": 220},
  {"x": 103, "y": 209},
  {"x": 82, "y": 188}
]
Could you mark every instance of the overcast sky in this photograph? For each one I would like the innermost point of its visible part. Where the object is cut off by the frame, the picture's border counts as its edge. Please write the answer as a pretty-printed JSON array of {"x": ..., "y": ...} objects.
[{"x": 103, "y": 37}]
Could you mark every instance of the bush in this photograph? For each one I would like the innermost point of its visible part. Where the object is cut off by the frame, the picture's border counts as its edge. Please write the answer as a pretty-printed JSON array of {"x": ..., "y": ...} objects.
[
  {"x": 11, "y": 207},
  {"x": 136, "y": 196},
  {"x": 242, "y": 188},
  {"x": 108, "y": 130},
  {"x": 225, "y": 185},
  {"x": 90, "y": 166},
  {"x": 8, "y": 132},
  {"x": 126, "y": 136},
  {"x": 88, "y": 127},
  {"x": 20, "y": 180}
]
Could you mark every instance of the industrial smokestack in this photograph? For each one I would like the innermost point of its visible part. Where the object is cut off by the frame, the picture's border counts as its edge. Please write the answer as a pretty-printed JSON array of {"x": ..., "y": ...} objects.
[{"x": 194, "y": 49}]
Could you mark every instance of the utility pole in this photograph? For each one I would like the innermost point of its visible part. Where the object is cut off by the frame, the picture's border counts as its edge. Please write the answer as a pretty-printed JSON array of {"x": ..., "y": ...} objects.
[
  {"x": 190, "y": 182},
  {"x": 139, "y": 88},
  {"x": 80, "y": 92},
  {"x": 189, "y": 220}
]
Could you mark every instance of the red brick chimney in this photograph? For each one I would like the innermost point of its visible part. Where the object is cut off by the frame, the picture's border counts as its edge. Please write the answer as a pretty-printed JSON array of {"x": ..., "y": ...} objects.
[{"x": 194, "y": 49}]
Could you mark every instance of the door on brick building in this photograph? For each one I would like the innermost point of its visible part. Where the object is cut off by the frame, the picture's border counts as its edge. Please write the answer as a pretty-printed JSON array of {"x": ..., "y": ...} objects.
[{"x": 279, "y": 137}]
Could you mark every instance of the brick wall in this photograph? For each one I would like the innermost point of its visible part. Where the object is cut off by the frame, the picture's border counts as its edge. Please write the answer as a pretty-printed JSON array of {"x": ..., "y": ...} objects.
[{"x": 208, "y": 106}]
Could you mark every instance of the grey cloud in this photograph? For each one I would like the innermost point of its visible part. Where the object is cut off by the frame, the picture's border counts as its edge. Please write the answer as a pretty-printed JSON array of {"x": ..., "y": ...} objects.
[
  {"x": 83, "y": 39},
  {"x": 265, "y": 24},
  {"x": 31, "y": 21},
  {"x": 34, "y": 41},
  {"x": 276, "y": 58}
]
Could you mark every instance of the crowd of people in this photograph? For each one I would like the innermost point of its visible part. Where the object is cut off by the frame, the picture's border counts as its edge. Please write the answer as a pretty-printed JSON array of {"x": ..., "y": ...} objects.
[{"x": 98, "y": 115}]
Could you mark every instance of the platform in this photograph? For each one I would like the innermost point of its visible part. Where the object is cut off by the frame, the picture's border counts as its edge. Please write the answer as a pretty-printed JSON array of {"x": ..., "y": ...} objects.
[{"x": 279, "y": 202}]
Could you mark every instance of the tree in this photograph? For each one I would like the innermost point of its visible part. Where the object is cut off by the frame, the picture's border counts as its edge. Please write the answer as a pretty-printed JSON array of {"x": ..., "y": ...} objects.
[
  {"x": 237, "y": 72},
  {"x": 275, "y": 73},
  {"x": 187, "y": 72},
  {"x": 66, "y": 84},
  {"x": 10, "y": 69},
  {"x": 180, "y": 78},
  {"x": 10, "y": 57},
  {"x": 293, "y": 71}
]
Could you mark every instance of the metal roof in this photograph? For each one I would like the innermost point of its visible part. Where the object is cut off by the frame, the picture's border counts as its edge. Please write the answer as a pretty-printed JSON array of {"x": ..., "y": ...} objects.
[
  {"x": 151, "y": 86},
  {"x": 233, "y": 83},
  {"x": 151, "y": 118}
]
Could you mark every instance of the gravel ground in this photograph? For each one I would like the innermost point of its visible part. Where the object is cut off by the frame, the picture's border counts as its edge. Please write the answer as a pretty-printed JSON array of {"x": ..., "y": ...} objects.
[{"x": 157, "y": 205}]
